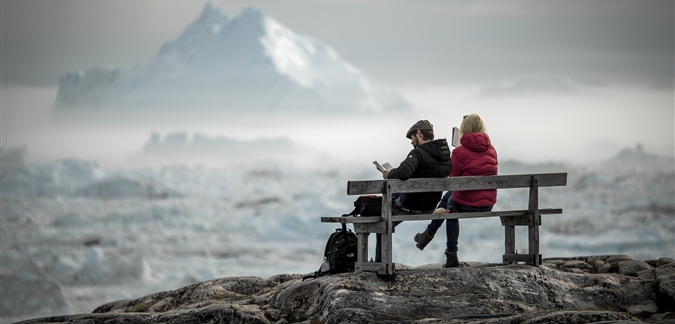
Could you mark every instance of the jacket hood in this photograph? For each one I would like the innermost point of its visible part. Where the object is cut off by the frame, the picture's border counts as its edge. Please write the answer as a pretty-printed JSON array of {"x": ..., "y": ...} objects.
[
  {"x": 439, "y": 149},
  {"x": 477, "y": 142}
]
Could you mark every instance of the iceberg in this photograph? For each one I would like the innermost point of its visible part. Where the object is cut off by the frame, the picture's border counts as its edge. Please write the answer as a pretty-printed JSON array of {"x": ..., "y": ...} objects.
[{"x": 249, "y": 63}]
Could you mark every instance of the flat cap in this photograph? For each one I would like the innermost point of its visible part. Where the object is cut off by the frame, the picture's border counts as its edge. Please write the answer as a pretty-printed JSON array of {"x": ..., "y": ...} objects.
[{"x": 422, "y": 124}]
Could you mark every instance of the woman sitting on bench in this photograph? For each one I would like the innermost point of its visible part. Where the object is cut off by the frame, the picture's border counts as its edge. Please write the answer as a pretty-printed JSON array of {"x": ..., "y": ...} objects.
[{"x": 474, "y": 157}]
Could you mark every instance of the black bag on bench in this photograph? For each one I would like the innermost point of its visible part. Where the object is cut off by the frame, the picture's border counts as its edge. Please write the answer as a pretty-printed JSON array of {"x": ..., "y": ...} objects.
[{"x": 367, "y": 205}]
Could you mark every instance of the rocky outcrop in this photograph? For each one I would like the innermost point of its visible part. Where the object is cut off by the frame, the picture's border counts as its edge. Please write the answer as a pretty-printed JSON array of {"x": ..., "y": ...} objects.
[{"x": 611, "y": 289}]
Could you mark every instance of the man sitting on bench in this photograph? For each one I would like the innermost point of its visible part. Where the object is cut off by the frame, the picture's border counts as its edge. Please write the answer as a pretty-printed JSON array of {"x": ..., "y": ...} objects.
[
  {"x": 474, "y": 157},
  {"x": 428, "y": 159}
]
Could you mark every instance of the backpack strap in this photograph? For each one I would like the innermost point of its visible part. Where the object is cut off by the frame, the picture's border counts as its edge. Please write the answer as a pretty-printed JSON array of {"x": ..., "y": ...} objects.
[{"x": 352, "y": 213}]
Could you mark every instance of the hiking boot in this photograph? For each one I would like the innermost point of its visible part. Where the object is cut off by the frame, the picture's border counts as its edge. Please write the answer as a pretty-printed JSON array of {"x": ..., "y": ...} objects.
[
  {"x": 423, "y": 239},
  {"x": 451, "y": 260}
]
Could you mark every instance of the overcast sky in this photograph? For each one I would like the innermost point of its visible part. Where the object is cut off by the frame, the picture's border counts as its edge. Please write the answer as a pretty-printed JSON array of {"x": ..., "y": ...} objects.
[
  {"x": 395, "y": 42},
  {"x": 449, "y": 58}
]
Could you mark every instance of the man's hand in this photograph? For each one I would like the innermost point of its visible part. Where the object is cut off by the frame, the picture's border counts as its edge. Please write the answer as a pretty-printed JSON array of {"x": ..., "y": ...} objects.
[{"x": 385, "y": 175}]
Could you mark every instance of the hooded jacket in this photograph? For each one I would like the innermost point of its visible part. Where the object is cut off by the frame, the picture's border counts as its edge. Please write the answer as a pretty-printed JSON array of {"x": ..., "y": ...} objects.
[
  {"x": 475, "y": 157},
  {"x": 428, "y": 160}
]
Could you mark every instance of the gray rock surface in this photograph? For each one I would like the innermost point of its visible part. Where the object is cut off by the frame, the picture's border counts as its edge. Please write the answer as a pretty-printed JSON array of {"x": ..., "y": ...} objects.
[{"x": 563, "y": 290}]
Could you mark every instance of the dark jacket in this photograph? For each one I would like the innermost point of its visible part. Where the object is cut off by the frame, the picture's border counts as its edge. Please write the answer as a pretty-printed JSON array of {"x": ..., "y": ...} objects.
[
  {"x": 475, "y": 157},
  {"x": 429, "y": 160}
]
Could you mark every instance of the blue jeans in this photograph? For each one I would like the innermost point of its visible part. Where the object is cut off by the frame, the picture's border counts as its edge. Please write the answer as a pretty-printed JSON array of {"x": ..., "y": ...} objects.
[{"x": 452, "y": 225}]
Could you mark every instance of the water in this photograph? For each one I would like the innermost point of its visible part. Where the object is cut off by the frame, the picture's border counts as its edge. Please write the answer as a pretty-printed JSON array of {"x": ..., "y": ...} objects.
[{"x": 75, "y": 236}]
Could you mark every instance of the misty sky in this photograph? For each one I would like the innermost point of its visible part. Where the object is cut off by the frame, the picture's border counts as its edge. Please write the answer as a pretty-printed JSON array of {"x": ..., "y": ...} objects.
[
  {"x": 393, "y": 41},
  {"x": 520, "y": 64}
]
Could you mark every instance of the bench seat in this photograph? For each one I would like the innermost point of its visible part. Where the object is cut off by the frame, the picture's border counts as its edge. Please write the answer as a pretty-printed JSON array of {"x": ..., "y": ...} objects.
[{"x": 419, "y": 217}]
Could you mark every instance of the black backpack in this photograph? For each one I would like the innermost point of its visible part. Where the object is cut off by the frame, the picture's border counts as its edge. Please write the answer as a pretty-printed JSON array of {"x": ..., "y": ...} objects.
[
  {"x": 340, "y": 253},
  {"x": 367, "y": 205}
]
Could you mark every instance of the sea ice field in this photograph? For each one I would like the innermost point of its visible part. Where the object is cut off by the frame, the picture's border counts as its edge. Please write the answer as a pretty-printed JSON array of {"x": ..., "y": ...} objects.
[{"x": 75, "y": 235}]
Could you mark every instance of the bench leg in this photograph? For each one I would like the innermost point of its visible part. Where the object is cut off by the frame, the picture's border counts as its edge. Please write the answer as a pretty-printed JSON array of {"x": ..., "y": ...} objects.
[
  {"x": 386, "y": 251},
  {"x": 362, "y": 263},
  {"x": 509, "y": 240},
  {"x": 386, "y": 247},
  {"x": 533, "y": 246},
  {"x": 362, "y": 247},
  {"x": 362, "y": 251},
  {"x": 535, "y": 221}
]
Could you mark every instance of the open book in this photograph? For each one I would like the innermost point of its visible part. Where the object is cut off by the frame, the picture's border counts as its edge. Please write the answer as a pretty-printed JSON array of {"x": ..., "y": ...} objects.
[
  {"x": 456, "y": 137},
  {"x": 384, "y": 167}
]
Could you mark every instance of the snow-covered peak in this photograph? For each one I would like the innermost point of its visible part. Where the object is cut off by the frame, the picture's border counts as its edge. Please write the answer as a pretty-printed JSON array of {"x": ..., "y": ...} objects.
[
  {"x": 211, "y": 19},
  {"x": 248, "y": 24},
  {"x": 290, "y": 54},
  {"x": 196, "y": 35},
  {"x": 250, "y": 62},
  {"x": 251, "y": 15},
  {"x": 210, "y": 13}
]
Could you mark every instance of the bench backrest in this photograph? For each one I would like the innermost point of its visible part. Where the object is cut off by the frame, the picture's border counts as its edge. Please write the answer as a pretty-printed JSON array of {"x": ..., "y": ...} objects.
[{"x": 363, "y": 187}]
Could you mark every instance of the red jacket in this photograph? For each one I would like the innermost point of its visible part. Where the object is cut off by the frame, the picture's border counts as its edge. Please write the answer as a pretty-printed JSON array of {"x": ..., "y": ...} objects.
[{"x": 475, "y": 157}]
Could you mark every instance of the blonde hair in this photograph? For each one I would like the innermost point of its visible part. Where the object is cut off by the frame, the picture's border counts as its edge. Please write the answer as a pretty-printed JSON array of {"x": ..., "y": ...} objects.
[{"x": 472, "y": 124}]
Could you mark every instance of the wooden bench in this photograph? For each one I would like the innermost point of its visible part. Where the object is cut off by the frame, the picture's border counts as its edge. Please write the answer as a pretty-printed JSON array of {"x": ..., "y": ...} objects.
[{"x": 531, "y": 217}]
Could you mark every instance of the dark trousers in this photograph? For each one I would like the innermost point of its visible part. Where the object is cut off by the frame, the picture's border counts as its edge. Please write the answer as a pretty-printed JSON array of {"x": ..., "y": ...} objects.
[
  {"x": 452, "y": 225},
  {"x": 395, "y": 210}
]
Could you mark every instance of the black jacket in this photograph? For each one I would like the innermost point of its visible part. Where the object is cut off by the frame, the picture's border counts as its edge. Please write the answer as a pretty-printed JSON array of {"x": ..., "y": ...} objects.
[{"x": 429, "y": 160}]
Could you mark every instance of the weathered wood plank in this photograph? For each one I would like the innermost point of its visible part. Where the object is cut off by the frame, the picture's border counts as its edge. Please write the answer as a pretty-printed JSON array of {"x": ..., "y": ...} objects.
[
  {"x": 535, "y": 219},
  {"x": 388, "y": 269},
  {"x": 375, "y": 219},
  {"x": 516, "y": 221},
  {"x": 386, "y": 242},
  {"x": 510, "y": 213},
  {"x": 378, "y": 227},
  {"x": 531, "y": 259},
  {"x": 510, "y": 239},
  {"x": 351, "y": 219},
  {"x": 368, "y": 266},
  {"x": 379, "y": 267},
  {"x": 362, "y": 187},
  {"x": 362, "y": 247}
]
